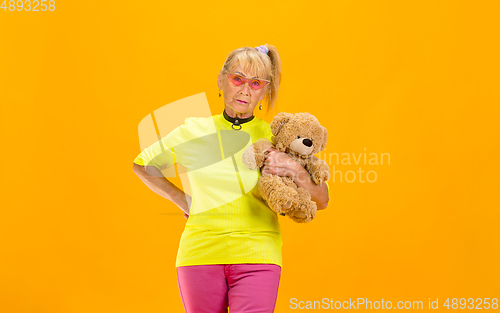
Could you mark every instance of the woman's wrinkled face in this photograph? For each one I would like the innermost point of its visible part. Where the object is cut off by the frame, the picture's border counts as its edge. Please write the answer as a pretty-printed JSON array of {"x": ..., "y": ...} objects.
[{"x": 240, "y": 101}]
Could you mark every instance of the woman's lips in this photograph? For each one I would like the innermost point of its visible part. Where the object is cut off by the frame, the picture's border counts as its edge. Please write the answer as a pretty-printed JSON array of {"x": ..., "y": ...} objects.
[{"x": 241, "y": 101}]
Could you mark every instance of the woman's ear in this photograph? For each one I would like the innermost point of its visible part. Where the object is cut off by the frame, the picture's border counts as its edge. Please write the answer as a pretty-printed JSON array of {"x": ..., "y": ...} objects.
[
  {"x": 219, "y": 80},
  {"x": 278, "y": 121}
]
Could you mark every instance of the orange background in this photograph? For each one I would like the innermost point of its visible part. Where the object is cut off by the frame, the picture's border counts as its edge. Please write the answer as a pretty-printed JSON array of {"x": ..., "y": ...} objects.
[{"x": 419, "y": 80}]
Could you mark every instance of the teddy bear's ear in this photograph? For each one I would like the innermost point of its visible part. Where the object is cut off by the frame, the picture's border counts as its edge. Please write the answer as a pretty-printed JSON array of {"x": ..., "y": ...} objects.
[
  {"x": 278, "y": 121},
  {"x": 325, "y": 138}
]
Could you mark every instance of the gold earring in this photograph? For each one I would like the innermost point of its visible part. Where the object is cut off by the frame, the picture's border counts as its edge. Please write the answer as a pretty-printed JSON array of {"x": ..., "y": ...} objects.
[
  {"x": 260, "y": 105},
  {"x": 219, "y": 93}
]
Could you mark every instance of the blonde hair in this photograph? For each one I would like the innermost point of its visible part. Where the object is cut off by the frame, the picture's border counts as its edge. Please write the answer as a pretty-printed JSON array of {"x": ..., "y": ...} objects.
[{"x": 265, "y": 65}]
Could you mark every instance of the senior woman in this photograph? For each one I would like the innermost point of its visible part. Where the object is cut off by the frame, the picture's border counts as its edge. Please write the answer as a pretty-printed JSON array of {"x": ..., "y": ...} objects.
[{"x": 230, "y": 251}]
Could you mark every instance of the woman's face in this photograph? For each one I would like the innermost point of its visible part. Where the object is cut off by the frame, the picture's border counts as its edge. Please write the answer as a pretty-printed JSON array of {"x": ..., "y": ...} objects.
[{"x": 240, "y": 101}]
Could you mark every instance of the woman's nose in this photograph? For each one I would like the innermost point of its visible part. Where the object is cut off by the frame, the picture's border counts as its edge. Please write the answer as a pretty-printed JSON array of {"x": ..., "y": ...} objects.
[{"x": 245, "y": 88}]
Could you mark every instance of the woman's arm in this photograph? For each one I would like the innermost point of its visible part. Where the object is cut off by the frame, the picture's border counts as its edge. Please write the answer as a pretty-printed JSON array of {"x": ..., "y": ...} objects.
[
  {"x": 279, "y": 163},
  {"x": 160, "y": 185}
]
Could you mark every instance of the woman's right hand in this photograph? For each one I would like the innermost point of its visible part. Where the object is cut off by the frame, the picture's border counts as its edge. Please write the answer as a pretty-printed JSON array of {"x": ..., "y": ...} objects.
[{"x": 154, "y": 179}]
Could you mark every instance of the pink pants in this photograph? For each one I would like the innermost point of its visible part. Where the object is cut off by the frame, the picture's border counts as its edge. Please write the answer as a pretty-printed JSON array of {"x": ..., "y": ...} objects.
[{"x": 245, "y": 288}]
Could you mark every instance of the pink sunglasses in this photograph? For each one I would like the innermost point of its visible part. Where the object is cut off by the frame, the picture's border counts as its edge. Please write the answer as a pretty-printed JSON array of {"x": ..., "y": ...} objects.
[{"x": 239, "y": 80}]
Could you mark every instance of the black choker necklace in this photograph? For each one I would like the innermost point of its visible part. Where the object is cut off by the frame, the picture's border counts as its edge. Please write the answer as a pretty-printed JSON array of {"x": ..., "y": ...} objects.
[{"x": 237, "y": 121}]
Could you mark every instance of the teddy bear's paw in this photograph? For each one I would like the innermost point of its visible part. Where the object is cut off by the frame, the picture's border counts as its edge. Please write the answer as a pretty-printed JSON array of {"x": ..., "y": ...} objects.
[
  {"x": 283, "y": 199},
  {"x": 316, "y": 179},
  {"x": 320, "y": 176},
  {"x": 287, "y": 205},
  {"x": 304, "y": 213},
  {"x": 252, "y": 159},
  {"x": 301, "y": 216}
]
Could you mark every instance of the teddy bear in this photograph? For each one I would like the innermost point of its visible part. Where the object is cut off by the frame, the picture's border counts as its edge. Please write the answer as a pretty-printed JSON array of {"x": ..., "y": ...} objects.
[{"x": 301, "y": 136}]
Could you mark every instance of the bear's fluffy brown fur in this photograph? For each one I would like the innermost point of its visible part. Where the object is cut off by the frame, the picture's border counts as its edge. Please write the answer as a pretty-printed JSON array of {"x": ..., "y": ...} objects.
[{"x": 300, "y": 136}]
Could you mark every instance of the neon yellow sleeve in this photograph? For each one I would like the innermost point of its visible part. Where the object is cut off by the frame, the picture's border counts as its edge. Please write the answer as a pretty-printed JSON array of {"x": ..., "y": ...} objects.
[
  {"x": 157, "y": 155},
  {"x": 161, "y": 154}
]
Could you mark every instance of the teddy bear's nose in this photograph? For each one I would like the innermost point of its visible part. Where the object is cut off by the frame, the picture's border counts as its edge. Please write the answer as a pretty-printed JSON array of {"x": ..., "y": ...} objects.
[{"x": 307, "y": 142}]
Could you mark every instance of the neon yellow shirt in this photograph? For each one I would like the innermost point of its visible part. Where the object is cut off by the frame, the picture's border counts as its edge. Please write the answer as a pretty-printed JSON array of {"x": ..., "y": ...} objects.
[{"x": 229, "y": 222}]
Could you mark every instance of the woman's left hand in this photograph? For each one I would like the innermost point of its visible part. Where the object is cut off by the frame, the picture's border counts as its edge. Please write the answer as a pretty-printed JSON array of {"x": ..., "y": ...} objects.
[{"x": 280, "y": 164}]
